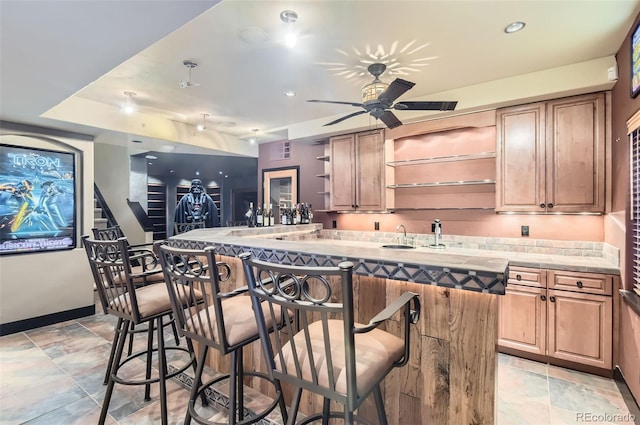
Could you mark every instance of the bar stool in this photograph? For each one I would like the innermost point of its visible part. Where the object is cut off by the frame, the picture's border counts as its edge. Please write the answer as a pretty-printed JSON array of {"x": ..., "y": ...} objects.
[
  {"x": 329, "y": 354},
  {"x": 220, "y": 320},
  {"x": 133, "y": 305},
  {"x": 186, "y": 227},
  {"x": 145, "y": 270}
]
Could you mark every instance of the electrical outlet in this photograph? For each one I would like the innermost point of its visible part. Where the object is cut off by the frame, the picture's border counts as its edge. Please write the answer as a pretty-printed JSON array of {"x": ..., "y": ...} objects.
[
  {"x": 524, "y": 231},
  {"x": 335, "y": 224},
  {"x": 376, "y": 225}
]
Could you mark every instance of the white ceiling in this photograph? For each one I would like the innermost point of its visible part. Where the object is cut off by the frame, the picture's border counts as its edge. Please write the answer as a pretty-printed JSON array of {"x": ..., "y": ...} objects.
[{"x": 67, "y": 64}]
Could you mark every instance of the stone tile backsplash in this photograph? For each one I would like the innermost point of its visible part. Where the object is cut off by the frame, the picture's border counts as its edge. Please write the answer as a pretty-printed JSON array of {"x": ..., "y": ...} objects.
[{"x": 530, "y": 246}]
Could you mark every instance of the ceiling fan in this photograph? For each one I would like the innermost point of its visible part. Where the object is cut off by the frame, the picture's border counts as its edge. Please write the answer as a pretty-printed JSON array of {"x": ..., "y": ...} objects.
[
  {"x": 378, "y": 100},
  {"x": 189, "y": 64}
]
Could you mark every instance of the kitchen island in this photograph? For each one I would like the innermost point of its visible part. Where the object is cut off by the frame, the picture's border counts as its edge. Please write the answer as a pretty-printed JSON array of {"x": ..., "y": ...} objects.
[{"x": 451, "y": 374}]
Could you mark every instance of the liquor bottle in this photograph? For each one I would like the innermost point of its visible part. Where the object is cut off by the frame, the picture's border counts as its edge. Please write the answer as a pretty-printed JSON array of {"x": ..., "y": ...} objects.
[
  {"x": 283, "y": 219},
  {"x": 259, "y": 216},
  {"x": 310, "y": 214},
  {"x": 251, "y": 216},
  {"x": 297, "y": 218},
  {"x": 272, "y": 219}
]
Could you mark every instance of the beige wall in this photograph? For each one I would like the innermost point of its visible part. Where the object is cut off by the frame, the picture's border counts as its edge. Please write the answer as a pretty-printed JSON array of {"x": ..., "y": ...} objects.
[
  {"x": 38, "y": 284},
  {"x": 113, "y": 178},
  {"x": 618, "y": 231}
]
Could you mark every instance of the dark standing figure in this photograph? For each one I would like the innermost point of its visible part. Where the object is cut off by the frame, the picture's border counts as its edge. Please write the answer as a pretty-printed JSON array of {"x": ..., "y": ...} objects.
[{"x": 197, "y": 206}]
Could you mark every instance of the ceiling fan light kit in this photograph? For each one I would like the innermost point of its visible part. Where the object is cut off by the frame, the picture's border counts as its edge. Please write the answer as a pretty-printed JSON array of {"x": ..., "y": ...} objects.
[{"x": 378, "y": 100}]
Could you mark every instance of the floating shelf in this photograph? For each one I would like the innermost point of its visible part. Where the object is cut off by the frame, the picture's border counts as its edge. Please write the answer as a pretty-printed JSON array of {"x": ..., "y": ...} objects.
[
  {"x": 448, "y": 158},
  {"x": 323, "y": 158},
  {"x": 437, "y": 184}
]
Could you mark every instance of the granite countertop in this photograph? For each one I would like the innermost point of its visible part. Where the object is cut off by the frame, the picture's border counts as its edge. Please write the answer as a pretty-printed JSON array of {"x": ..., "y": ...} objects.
[{"x": 452, "y": 256}]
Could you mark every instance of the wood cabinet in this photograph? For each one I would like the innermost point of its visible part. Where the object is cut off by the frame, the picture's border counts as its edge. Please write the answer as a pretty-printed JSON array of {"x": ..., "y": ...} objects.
[
  {"x": 558, "y": 314},
  {"x": 357, "y": 172},
  {"x": 551, "y": 156}
]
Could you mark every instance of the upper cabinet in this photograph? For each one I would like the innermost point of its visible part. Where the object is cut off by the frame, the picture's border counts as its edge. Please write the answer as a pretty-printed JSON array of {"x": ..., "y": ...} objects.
[
  {"x": 551, "y": 156},
  {"x": 356, "y": 163}
]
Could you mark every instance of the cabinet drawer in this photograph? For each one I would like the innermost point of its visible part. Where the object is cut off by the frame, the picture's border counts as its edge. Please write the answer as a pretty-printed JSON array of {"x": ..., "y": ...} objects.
[
  {"x": 527, "y": 277},
  {"x": 590, "y": 283}
]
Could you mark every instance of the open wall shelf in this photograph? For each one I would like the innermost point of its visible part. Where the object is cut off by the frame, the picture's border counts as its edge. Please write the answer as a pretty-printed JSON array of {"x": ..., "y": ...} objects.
[{"x": 445, "y": 158}]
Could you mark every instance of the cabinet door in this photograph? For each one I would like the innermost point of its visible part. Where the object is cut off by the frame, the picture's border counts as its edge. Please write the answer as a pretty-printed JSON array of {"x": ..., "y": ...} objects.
[
  {"x": 520, "y": 178},
  {"x": 580, "y": 328},
  {"x": 343, "y": 171},
  {"x": 522, "y": 319},
  {"x": 575, "y": 154},
  {"x": 370, "y": 171}
]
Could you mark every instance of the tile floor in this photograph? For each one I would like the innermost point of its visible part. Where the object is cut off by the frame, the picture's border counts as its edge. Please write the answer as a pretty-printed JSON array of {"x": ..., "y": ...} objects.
[{"x": 53, "y": 375}]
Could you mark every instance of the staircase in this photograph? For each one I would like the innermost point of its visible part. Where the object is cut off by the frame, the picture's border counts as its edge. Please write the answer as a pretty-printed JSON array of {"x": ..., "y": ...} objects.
[{"x": 99, "y": 221}]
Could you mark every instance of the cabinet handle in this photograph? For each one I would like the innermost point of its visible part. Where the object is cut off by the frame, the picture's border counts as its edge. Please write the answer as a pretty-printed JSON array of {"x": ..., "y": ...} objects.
[
  {"x": 353, "y": 205},
  {"x": 550, "y": 205},
  {"x": 552, "y": 299},
  {"x": 579, "y": 284},
  {"x": 543, "y": 297},
  {"x": 518, "y": 277},
  {"x": 542, "y": 205}
]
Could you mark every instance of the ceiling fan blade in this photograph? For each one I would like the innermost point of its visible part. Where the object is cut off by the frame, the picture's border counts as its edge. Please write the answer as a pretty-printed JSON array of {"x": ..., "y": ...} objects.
[
  {"x": 396, "y": 89},
  {"x": 425, "y": 106},
  {"x": 390, "y": 120},
  {"x": 345, "y": 117},
  {"x": 336, "y": 102}
]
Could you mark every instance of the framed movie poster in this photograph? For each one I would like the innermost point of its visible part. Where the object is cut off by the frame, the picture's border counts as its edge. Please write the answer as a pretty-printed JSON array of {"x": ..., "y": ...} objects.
[
  {"x": 635, "y": 61},
  {"x": 37, "y": 200}
]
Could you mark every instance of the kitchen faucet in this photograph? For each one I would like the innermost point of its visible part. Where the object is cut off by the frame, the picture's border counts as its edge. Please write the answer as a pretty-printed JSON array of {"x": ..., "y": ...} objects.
[
  {"x": 436, "y": 228},
  {"x": 403, "y": 241}
]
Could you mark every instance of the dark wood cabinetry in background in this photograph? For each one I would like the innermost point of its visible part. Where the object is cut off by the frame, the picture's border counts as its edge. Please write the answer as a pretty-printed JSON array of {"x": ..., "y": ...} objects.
[{"x": 157, "y": 209}]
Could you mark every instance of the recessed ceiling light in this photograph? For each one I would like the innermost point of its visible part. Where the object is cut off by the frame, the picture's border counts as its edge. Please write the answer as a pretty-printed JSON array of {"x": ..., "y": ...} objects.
[
  {"x": 514, "y": 27},
  {"x": 289, "y": 93},
  {"x": 136, "y": 141},
  {"x": 172, "y": 171},
  {"x": 151, "y": 157},
  {"x": 150, "y": 163}
]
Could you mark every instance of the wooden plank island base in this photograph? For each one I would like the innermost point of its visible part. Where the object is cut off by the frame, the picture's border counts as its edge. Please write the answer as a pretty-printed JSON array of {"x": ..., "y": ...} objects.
[{"x": 451, "y": 375}]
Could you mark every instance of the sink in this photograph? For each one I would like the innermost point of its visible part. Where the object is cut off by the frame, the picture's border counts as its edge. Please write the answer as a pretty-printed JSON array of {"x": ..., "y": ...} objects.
[{"x": 398, "y": 246}]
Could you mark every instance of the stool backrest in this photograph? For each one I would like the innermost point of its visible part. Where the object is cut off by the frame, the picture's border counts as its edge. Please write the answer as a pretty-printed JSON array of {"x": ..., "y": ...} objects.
[
  {"x": 319, "y": 298},
  {"x": 111, "y": 268},
  {"x": 195, "y": 294},
  {"x": 108, "y": 233}
]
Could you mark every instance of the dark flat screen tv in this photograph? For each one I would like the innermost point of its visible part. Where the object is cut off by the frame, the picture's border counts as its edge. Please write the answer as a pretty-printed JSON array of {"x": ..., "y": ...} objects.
[{"x": 37, "y": 200}]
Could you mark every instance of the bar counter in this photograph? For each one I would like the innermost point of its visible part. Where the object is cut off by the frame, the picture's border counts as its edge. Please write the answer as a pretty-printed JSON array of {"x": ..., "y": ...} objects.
[{"x": 451, "y": 374}]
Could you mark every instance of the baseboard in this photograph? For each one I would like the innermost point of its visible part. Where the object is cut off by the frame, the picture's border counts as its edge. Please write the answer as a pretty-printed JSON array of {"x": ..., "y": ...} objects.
[
  {"x": 47, "y": 319},
  {"x": 627, "y": 395}
]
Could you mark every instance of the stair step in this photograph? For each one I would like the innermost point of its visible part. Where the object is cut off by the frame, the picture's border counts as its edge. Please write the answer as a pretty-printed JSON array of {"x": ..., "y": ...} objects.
[{"x": 100, "y": 223}]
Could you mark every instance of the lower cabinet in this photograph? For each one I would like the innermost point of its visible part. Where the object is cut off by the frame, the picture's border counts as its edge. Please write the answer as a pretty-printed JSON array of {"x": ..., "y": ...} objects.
[{"x": 560, "y": 315}]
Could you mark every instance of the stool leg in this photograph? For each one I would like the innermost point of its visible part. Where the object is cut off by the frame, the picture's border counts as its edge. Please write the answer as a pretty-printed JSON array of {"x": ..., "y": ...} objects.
[
  {"x": 131, "y": 334},
  {"x": 114, "y": 344},
  {"x": 147, "y": 387},
  {"x": 197, "y": 380},
  {"x": 240, "y": 372},
  {"x": 326, "y": 410},
  {"x": 233, "y": 381},
  {"x": 281, "y": 402},
  {"x": 203, "y": 396},
  {"x": 382, "y": 415},
  {"x": 162, "y": 371},
  {"x": 175, "y": 329},
  {"x": 295, "y": 404},
  {"x": 122, "y": 336}
]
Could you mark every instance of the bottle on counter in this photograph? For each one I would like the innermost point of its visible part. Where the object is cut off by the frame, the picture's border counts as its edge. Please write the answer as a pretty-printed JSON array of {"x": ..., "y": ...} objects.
[
  {"x": 284, "y": 215},
  {"x": 251, "y": 216},
  {"x": 297, "y": 215},
  {"x": 259, "y": 216},
  {"x": 272, "y": 219}
]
